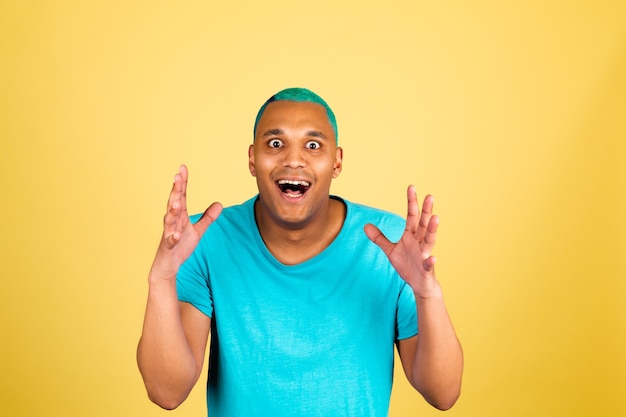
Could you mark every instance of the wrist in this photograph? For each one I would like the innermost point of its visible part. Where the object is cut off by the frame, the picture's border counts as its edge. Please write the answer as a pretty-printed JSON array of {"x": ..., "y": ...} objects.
[
  {"x": 162, "y": 274},
  {"x": 432, "y": 292}
]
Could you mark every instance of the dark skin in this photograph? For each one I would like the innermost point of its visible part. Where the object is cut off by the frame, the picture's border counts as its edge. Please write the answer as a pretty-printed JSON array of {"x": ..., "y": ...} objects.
[
  {"x": 294, "y": 159},
  {"x": 295, "y": 142}
]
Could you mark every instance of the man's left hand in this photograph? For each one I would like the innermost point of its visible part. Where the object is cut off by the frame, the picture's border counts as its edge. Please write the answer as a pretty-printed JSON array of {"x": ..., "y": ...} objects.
[{"x": 411, "y": 255}]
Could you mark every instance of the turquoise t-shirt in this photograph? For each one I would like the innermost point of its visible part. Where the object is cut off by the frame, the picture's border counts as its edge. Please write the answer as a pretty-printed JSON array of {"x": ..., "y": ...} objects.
[{"x": 313, "y": 339}]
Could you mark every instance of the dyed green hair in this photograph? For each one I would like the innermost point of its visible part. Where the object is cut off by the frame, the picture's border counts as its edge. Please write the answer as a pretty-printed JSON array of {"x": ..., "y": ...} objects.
[{"x": 299, "y": 95}]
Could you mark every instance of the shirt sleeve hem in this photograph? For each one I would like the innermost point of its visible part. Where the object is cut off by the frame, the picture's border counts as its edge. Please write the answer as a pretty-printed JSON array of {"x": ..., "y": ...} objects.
[{"x": 204, "y": 309}]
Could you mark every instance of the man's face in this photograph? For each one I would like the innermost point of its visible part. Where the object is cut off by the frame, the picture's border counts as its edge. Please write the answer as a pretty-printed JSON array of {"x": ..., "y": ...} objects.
[{"x": 294, "y": 159}]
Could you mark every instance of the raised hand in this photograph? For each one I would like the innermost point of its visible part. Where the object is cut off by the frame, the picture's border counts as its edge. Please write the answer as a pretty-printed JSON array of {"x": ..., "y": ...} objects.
[
  {"x": 180, "y": 236},
  {"x": 411, "y": 255}
]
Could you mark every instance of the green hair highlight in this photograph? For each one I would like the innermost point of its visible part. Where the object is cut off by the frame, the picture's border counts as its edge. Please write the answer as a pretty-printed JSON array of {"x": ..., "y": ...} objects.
[{"x": 299, "y": 95}]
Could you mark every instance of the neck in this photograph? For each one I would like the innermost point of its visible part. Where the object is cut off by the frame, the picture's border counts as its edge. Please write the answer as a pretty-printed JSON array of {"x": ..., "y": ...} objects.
[{"x": 292, "y": 245}]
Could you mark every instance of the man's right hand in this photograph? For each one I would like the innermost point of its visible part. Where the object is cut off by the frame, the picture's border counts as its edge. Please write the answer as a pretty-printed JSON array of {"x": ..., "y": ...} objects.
[
  {"x": 180, "y": 237},
  {"x": 174, "y": 337}
]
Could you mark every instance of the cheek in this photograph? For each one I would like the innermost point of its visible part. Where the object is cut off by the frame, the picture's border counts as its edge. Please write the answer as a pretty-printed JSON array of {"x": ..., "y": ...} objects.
[
  {"x": 262, "y": 168},
  {"x": 325, "y": 169}
]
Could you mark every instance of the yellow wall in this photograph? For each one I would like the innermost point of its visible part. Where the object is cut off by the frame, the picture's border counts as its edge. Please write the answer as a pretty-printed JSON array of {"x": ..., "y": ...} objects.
[{"x": 513, "y": 115}]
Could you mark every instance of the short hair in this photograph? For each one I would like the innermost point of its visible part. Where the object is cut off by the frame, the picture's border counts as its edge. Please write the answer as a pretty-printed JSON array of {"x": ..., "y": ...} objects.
[{"x": 299, "y": 95}]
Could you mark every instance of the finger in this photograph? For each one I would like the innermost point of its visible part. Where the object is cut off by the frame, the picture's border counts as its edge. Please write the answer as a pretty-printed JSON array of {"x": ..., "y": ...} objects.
[
  {"x": 184, "y": 175},
  {"x": 375, "y": 235},
  {"x": 176, "y": 191},
  {"x": 413, "y": 211},
  {"x": 430, "y": 237},
  {"x": 209, "y": 216},
  {"x": 429, "y": 264},
  {"x": 424, "y": 220},
  {"x": 173, "y": 204},
  {"x": 172, "y": 240},
  {"x": 173, "y": 224},
  {"x": 171, "y": 221}
]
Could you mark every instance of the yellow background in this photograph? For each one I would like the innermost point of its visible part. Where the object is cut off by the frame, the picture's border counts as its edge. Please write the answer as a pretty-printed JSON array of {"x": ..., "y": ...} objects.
[{"x": 513, "y": 114}]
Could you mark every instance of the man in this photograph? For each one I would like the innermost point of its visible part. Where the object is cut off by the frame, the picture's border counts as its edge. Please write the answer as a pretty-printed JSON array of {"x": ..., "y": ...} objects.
[{"x": 303, "y": 309}]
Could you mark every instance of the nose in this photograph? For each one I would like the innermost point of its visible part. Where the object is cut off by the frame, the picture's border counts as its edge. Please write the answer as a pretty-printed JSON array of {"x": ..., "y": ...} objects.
[{"x": 294, "y": 157}]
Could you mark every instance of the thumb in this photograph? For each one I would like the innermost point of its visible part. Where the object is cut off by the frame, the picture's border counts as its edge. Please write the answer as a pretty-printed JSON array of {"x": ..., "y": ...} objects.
[
  {"x": 375, "y": 235},
  {"x": 208, "y": 217}
]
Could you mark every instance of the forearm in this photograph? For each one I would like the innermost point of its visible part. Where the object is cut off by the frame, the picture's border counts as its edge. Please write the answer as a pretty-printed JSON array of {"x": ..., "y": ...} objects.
[
  {"x": 438, "y": 365},
  {"x": 164, "y": 356}
]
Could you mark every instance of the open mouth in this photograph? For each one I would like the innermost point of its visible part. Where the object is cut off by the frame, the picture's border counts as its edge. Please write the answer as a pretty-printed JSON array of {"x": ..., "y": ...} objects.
[{"x": 293, "y": 188}]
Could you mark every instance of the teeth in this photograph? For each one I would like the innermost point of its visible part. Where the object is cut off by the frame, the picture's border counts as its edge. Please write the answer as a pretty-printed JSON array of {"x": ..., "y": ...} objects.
[{"x": 290, "y": 182}]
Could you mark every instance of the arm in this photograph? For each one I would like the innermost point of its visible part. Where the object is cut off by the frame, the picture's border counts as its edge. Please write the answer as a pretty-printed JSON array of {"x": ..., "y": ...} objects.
[
  {"x": 433, "y": 360},
  {"x": 173, "y": 341}
]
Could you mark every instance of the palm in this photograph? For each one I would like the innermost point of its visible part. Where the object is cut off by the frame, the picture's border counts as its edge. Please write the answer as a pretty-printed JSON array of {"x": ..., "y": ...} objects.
[
  {"x": 411, "y": 255},
  {"x": 180, "y": 236}
]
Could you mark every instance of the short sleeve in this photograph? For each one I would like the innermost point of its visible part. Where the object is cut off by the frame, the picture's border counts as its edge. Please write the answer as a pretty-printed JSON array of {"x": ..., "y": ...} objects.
[{"x": 406, "y": 313}]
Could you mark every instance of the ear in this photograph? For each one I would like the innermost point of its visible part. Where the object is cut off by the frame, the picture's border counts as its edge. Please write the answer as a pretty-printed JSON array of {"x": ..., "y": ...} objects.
[
  {"x": 338, "y": 162},
  {"x": 251, "y": 160}
]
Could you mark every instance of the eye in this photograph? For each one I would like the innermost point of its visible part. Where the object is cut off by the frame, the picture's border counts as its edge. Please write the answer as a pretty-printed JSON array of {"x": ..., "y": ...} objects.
[
  {"x": 275, "y": 143},
  {"x": 312, "y": 144}
]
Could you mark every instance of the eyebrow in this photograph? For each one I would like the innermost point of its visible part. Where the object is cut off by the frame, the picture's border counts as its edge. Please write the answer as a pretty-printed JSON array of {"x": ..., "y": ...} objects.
[
  {"x": 273, "y": 132},
  {"x": 311, "y": 133},
  {"x": 316, "y": 134}
]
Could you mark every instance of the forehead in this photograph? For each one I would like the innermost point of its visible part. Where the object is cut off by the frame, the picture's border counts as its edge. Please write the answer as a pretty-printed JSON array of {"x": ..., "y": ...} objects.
[{"x": 284, "y": 113}]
